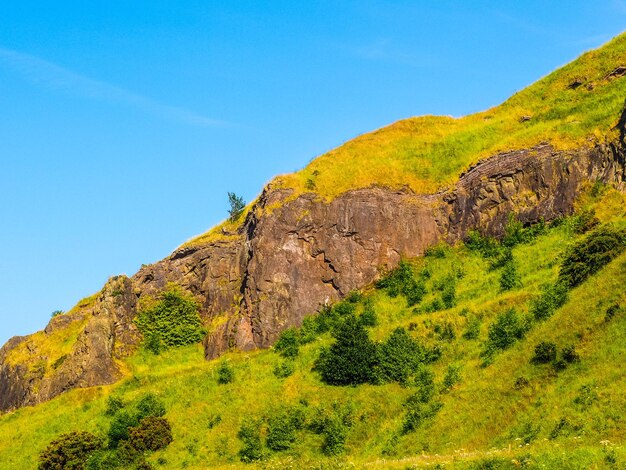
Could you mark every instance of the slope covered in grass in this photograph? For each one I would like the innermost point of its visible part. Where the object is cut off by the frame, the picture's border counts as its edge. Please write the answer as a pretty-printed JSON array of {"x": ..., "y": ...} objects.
[{"x": 493, "y": 407}]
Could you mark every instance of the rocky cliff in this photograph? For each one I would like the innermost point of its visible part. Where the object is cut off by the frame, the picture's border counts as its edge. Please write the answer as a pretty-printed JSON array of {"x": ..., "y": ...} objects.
[{"x": 293, "y": 254}]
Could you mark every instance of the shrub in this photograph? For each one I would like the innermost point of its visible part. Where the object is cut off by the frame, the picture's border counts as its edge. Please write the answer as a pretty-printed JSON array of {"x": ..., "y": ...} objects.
[
  {"x": 172, "y": 321},
  {"x": 448, "y": 295},
  {"x": 333, "y": 424},
  {"x": 69, "y": 451},
  {"x": 452, "y": 377},
  {"x": 288, "y": 344},
  {"x": 402, "y": 281},
  {"x": 56, "y": 313},
  {"x": 149, "y": 405},
  {"x": 472, "y": 330},
  {"x": 583, "y": 222},
  {"x": 424, "y": 384},
  {"x": 509, "y": 278},
  {"x": 284, "y": 369},
  {"x": 152, "y": 433},
  {"x": 569, "y": 354},
  {"x": 545, "y": 352},
  {"x": 418, "y": 412},
  {"x": 439, "y": 250},
  {"x": 103, "y": 460},
  {"x": 214, "y": 420},
  {"x": 282, "y": 428},
  {"x": 120, "y": 425},
  {"x": 399, "y": 356},
  {"x": 551, "y": 298},
  {"x": 114, "y": 404},
  {"x": 591, "y": 254},
  {"x": 445, "y": 332},
  {"x": 507, "y": 329},
  {"x": 368, "y": 317},
  {"x": 250, "y": 436},
  {"x": 351, "y": 359},
  {"x": 613, "y": 310},
  {"x": 486, "y": 246},
  {"x": 516, "y": 233},
  {"x": 354, "y": 297},
  {"x": 225, "y": 373}
]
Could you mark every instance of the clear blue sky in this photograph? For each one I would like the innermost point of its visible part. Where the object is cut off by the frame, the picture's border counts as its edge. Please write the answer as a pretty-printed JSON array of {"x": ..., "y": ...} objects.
[{"x": 124, "y": 124}]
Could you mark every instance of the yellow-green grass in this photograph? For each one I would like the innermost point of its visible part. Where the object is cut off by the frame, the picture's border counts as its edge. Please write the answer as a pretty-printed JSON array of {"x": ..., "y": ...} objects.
[{"x": 482, "y": 417}]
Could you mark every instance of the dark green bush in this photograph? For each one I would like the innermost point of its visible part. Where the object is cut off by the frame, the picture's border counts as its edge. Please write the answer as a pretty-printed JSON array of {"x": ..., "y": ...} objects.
[
  {"x": 288, "y": 343},
  {"x": 333, "y": 424},
  {"x": 445, "y": 332},
  {"x": 284, "y": 369},
  {"x": 252, "y": 445},
  {"x": 351, "y": 359},
  {"x": 510, "y": 278},
  {"x": 448, "y": 295},
  {"x": 551, "y": 298},
  {"x": 69, "y": 451},
  {"x": 354, "y": 297},
  {"x": 399, "y": 357},
  {"x": 120, "y": 425},
  {"x": 591, "y": 254},
  {"x": 452, "y": 377},
  {"x": 439, "y": 250},
  {"x": 569, "y": 354},
  {"x": 516, "y": 233},
  {"x": 583, "y": 222},
  {"x": 424, "y": 385},
  {"x": 417, "y": 412},
  {"x": 152, "y": 433},
  {"x": 472, "y": 330},
  {"x": 368, "y": 317},
  {"x": 114, "y": 404},
  {"x": 104, "y": 459},
  {"x": 225, "y": 373},
  {"x": 506, "y": 330},
  {"x": 282, "y": 428},
  {"x": 172, "y": 321},
  {"x": 149, "y": 405},
  {"x": 545, "y": 352},
  {"x": 486, "y": 246},
  {"x": 401, "y": 281}
]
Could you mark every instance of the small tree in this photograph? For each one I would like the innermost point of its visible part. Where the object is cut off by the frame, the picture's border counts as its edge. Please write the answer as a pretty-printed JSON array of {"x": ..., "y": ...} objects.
[
  {"x": 236, "y": 204},
  {"x": 69, "y": 451}
]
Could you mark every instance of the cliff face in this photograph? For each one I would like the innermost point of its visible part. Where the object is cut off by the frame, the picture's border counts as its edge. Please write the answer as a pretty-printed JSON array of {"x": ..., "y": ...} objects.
[{"x": 294, "y": 254}]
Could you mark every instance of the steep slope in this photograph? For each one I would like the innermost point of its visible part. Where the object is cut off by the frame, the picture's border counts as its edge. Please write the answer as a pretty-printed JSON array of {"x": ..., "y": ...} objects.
[{"x": 333, "y": 227}]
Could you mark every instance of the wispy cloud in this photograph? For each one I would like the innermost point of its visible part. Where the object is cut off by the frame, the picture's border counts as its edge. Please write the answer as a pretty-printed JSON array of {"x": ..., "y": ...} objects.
[{"x": 55, "y": 77}]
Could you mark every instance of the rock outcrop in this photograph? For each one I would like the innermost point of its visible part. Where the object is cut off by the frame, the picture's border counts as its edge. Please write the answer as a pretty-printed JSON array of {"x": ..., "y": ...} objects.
[{"x": 294, "y": 254}]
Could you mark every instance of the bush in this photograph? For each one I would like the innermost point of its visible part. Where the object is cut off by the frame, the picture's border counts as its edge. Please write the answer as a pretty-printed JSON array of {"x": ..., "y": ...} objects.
[
  {"x": 282, "y": 428},
  {"x": 545, "y": 352},
  {"x": 368, "y": 317},
  {"x": 284, "y": 369},
  {"x": 551, "y": 298},
  {"x": 149, "y": 405},
  {"x": 152, "y": 433},
  {"x": 472, "y": 330},
  {"x": 69, "y": 451},
  {"x": 351, "y": 359},
  {"x": 171, "y": 321},
  {"x": 509, "y": 278},
  {"x": 452, "y": 377},
  {"x": 225, "y": 373},
  {"x": 119, "y": 428},
  {"x": 507, "y": 329},
  {"x": 399, "y": 357},
  {"x": 448, "y": 295},
  {"x": 288, "y": 344},
  {"x": 250, "y": 436},
  {"x": 424, "y": 384},
  {"x": 418, "y": 412},
  {"x": 402, "y": 281},
  {"x": 591, "y": 254},
  {"x": 333, "y": 424},
  {"x": 114, "y": 404},
  {"x": 516, "y": 233}
]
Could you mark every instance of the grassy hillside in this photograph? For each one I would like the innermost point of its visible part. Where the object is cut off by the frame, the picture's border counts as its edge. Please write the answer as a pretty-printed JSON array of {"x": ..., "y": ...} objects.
[
  {"x": 576, "y": 105},
  {"x": 492, "y": 409}
]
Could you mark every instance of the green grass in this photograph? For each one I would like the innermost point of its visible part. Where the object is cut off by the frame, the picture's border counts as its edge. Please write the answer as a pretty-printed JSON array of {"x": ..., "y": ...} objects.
[{"x": 483, "y": 417}]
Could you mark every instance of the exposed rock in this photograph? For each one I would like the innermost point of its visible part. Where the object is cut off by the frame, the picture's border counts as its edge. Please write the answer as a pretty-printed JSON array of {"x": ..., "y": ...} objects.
[{"x": 293, "y": 255}]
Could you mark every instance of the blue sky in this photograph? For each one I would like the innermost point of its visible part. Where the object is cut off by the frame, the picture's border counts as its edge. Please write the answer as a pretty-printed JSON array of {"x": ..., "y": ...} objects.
[{"x": 124, "y": 124}]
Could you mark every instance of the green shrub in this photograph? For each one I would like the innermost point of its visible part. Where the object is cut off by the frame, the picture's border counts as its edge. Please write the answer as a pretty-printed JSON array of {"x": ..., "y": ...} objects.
[
  {"x": 486, "y": 246},
  {"x": 506, "y": 330},
  {"x": 516, "y": 233},
  {"x": 351, "y": 359},
  {"x": 417, "y": 412},
  {"x": 152, "y": 433},
  {"x": 333, "y": 424},
  {"x": 69, "y": 451},
  {"x": 149, "y": 405},
  {"x": 569, "y": 354},
  {"x": 354, "y": 297},
  {"x": 399, "y": 356},
  {"x": 104, "y": 459},
  {"x": 509, "y": 278},
  {"x": 214, "y": 420},
  {"x": 452, "y": 377},
  {"x": 424, "y": 385},
  {"x": 439, "y": 250},
  {"x": 445, "y": 332},
  {"x": 545, "y": 352},
  {"x": 591, "y": 254},
  {"x": 402, "y": 281},
  {"x": 250, "y": 436},
  {"x": 288, "y": 343},
  {"x": 114, "y": 404},
  {"x": 472, "y": 330},
  {"x": 448, "y": 295},
  {"x": 282, "y": 428},
  {"x": 551, "y": 298},
  {"x": 172, "y": 321},
  {"x": 120, "y": 425},
  {"x": 368, "y": 317},
  {"x": 583, "y": 222},
  {"x": 284, "y": 369},
  {"x": 225, "y": 373}
]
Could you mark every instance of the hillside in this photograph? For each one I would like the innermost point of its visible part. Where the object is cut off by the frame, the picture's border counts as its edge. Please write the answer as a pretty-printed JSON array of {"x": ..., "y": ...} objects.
[{"x": 471, "y": 270}]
